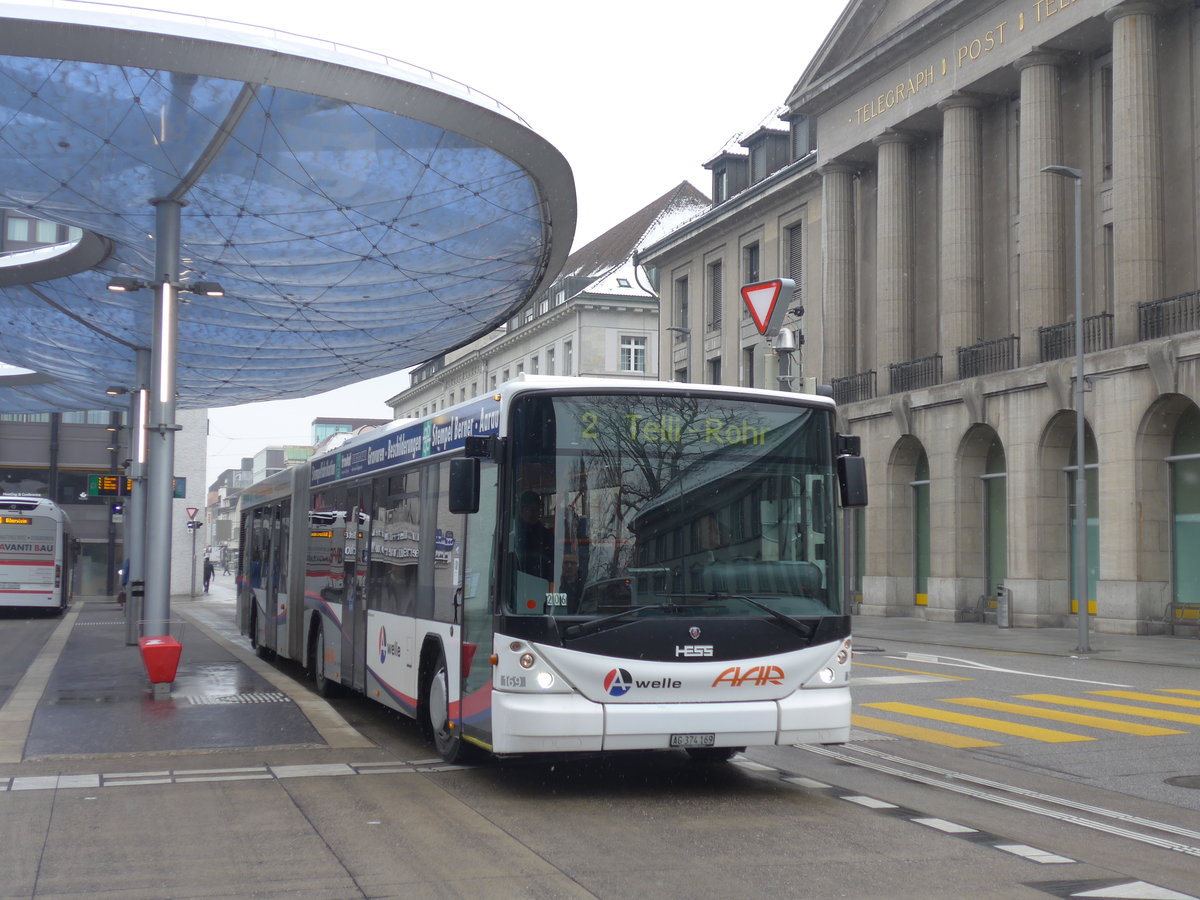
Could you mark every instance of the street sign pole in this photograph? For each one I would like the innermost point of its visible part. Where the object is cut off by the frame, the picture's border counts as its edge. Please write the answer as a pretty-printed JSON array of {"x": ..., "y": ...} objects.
[{"x": 191, "y": 511}]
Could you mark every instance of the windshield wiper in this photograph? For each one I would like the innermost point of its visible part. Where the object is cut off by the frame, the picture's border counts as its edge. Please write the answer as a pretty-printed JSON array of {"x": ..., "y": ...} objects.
[
  {"x": 583, "y": 628},
  {"x": 805, "y": 631}
]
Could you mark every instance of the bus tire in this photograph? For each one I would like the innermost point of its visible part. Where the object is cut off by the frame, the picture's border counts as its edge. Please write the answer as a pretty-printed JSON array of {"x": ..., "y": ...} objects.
[
  {"x": 260, "y": 651},
  {"x": 706, "y": 755},
  {"x": 325, "y": 686},
  {"x": 447, "y": 739}
]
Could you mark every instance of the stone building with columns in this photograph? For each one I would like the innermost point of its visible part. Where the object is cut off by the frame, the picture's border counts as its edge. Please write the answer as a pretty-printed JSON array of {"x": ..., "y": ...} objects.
[{"x": 935, "y": 262}]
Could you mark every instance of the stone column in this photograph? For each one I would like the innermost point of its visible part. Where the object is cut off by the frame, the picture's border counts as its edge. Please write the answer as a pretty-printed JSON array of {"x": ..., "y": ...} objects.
[
  {"x": 837, "y": 272},
  {"x": 893, "y": 252},
  {"x": 961, "y": 313},
  {"x": 1137, "y": 180},
  {"x": 1043, "y": 244}
]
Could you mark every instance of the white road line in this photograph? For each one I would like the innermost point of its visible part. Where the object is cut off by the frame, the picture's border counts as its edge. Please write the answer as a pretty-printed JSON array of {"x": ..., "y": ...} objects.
[
  {"x": 1035, "y": 795},
  {"x": 944, "y": 784},
  {"x": 946, "y": 826},
  {"x": 869, "y": 802},
  {"x": 1033, "y": 854},
  {"x": 953, "y": 663},
  {"x": 92, "y": 781},
  {"x": 1135, "y": 890}
]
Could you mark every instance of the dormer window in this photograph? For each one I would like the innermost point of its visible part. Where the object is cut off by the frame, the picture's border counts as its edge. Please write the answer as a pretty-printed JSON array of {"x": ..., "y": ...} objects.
[
  {"x": 803, "y": 142},
  {"x": 758, "y": 162},
  {"x": 720, "y": 191}
]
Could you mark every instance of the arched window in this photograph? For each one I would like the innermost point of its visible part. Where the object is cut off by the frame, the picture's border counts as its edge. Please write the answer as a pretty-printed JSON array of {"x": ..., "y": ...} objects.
[
  {"x": 920, "y": 489},
  {"x": 995, "y": 517},
  {"x": 1185, "y": 506}
]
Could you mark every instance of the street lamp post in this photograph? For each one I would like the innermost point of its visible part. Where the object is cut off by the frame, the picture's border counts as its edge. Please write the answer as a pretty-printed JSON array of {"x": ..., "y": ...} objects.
[{"x": 1081, "y": 569}]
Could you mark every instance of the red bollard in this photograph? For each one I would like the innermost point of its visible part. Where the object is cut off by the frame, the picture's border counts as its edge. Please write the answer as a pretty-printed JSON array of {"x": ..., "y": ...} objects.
[{"x": 161, "y": 657}]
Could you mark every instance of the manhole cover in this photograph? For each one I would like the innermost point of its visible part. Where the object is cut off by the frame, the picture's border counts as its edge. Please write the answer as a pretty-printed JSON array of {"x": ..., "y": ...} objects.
[{"x": 1185, "y": 781}]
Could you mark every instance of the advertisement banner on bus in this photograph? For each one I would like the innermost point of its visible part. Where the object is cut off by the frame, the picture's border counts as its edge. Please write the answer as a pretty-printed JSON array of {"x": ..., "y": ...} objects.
[{"x": 438, "y": 435}]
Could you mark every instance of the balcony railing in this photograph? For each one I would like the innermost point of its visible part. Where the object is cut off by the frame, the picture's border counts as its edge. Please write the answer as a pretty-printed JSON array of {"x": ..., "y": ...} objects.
[
  {"x": 915, "y": 374},
  {"x": 1173, "y": 315},
  {"x": 999, "y": 355},
  {"x": 1058, "y": 341},
  {"x": 853, "y": 388}
]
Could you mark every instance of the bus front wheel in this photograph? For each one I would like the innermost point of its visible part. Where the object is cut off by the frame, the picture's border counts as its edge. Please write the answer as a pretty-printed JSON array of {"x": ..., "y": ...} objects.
[{"x": 446, "y": 736}]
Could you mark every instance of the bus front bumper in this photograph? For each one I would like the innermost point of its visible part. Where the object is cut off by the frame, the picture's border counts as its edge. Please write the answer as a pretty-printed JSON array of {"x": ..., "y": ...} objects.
[{"x": 558, "y": 723}]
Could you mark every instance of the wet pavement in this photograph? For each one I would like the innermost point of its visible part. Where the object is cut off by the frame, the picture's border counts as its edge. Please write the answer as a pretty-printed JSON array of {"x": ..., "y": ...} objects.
[{"x": 87, "y": 692}]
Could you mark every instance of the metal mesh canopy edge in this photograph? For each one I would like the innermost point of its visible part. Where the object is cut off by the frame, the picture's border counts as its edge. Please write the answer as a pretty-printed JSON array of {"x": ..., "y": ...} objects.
[{"x": 361, "y": 216}]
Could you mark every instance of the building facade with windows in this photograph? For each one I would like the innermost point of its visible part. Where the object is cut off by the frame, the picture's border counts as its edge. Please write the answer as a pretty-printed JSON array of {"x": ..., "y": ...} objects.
[
  {"x": 934, "y": 261},
  {"x": 599, "y": 318},
  {"x": 54, "y": 454}
]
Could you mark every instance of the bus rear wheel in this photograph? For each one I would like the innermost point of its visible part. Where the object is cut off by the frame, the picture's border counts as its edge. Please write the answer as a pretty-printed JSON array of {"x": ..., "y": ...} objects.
[
  {"x": 261, "y": 651},
  {"x": 324, "y": 685}
]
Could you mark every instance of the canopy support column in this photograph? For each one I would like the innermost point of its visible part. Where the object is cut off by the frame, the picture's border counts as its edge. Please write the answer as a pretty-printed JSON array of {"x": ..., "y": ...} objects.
[{"x": 161, "y": 426}]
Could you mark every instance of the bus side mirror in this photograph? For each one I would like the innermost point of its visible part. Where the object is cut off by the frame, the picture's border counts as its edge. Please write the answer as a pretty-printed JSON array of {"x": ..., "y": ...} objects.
[
  {"x": 852, "y": 481},
  {"x": 464, "y": 486}
]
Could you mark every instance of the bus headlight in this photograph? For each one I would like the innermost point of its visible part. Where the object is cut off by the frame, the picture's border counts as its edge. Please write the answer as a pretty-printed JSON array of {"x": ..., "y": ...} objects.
[
  {"x": 527, "y": 660},
  {"x": 545, "y": 680},
  {"x": 826, "y": 675}
]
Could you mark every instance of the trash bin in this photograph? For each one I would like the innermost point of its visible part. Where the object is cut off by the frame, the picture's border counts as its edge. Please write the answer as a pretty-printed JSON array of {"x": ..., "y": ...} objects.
[
  {"x": 161, "y": 657},
  {"x": 1003, "y": 611}
]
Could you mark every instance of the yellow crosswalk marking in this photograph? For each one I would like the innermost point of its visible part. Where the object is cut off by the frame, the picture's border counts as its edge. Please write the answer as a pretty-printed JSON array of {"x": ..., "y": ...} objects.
[
  {"x": 1149, "y": 698},
  {"x": 919, "y": 733},
  {"x": 1071, "y": 718},
  {"x": 1181, "y": 691},
  {"x": 1165, "y": 715},
  {"x": 862, "y": 665},
  {"x": 1031, "y": 732}
]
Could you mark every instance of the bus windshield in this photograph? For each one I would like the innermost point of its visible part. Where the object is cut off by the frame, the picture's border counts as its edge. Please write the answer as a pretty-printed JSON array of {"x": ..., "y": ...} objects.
[{"x": 626, "y": 504}]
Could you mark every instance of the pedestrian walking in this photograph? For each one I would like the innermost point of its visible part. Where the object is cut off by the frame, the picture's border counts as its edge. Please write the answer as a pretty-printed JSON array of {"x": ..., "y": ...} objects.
[{"x": 209, "y": 571}]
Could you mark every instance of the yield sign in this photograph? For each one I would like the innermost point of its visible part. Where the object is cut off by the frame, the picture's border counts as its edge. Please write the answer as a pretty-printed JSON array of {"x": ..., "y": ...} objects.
[
  {"x": 192, "y": 510},
  {"x": 762, "y": 300}
]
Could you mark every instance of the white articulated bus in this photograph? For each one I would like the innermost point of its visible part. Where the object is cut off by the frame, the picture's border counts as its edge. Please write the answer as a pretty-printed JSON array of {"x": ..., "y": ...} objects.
[
  {"x": 572, "y": 564},
  {"x": 37, "y": 553}
]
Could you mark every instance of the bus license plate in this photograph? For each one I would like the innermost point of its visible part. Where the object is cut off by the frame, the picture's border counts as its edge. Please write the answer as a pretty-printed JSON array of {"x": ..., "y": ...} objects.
[{"x": 693, "y": 740}]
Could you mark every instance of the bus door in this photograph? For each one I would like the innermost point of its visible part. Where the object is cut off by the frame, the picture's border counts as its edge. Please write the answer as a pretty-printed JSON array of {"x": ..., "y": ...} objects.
[
  {"x": 268, "y": 631},
  {"x": 476, "y": 535},
  {"x": 354, "y": 614}
]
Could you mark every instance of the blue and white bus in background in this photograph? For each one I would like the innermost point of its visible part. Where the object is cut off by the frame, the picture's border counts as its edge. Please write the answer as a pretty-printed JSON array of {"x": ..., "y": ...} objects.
[
  {"x": 572, "y": 565},
  {"x": 37, "y": 553}
]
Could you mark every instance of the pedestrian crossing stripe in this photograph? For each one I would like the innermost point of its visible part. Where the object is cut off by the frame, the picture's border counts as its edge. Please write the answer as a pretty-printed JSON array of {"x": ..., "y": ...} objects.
[
  {"x": 1071, "y": 718},
  {"x": 936, "y": 676},
  {"x": 919, "y": 733},
  {"x": 1149, "y": 698},
  {"x": 1060, "y": 708},
  {"x": 1033, "y": 732},
  {"x": 1144, "y": 712}
]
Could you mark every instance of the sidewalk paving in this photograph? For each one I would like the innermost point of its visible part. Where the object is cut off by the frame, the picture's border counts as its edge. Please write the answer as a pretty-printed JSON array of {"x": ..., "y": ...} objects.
[{"x": 1161, "y": 650}]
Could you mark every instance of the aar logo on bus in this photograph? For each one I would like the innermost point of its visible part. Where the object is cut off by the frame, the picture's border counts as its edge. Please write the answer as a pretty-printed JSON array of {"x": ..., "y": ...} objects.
[{"x": 617, "y": 683}]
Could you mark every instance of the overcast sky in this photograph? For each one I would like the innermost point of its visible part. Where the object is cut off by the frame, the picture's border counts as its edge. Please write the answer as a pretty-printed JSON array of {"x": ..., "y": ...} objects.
[{"x": 636, "y": 95}]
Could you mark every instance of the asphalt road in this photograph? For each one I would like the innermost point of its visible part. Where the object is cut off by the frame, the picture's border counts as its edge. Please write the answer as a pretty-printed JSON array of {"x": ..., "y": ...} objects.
[{"x": 1011, "y": 815}]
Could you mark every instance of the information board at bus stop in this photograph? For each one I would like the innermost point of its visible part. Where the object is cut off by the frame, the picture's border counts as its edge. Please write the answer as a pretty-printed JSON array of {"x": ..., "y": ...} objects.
[{"x": 122, "y": 486}]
